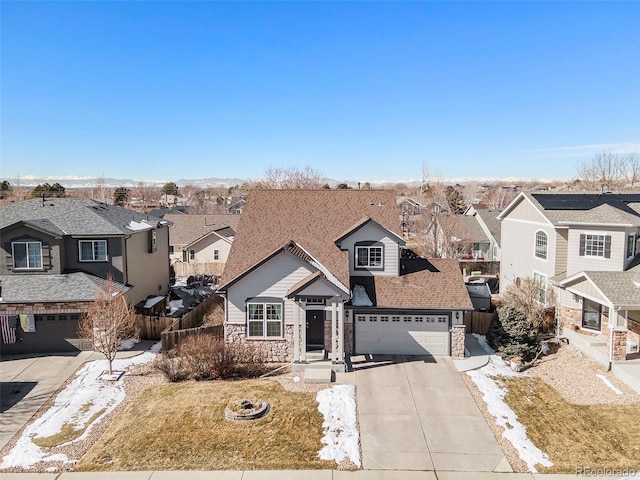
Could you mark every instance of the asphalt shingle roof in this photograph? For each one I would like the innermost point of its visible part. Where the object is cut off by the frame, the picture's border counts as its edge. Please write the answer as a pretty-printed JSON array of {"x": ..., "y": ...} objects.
[
  {"x": 69, "y": 287},
  {"x": 188, "y": 228},
  {"x": 75, "y": 216}
]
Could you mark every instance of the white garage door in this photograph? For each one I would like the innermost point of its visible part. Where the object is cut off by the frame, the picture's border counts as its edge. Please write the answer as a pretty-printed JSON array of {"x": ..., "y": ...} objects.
[{"x": 402, "y": 334}]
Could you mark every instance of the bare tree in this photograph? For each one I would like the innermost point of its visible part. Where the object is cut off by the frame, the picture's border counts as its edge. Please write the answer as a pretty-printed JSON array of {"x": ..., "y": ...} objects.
[
  {"x": 630, "y": 168},
  {"x": 498, "y": 197},
  {"x": 145, "y": 195},
  {"x": 532, "y": 297},
  {"x": 108, "y": 322},
  {"x": 603, "y": 170},
  {"x": 442, "y": 234},
  {"x": 101, "y": 191},
  {"x": 288, "y": 177}
]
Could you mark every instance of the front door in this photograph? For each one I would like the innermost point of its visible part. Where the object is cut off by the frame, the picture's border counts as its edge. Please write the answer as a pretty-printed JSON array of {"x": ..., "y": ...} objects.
[{"x": 315, "y": 329}]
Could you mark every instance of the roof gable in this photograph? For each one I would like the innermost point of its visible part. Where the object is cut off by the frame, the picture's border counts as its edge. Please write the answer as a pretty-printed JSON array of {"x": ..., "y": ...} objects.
[{"x": 313, "y": 218}]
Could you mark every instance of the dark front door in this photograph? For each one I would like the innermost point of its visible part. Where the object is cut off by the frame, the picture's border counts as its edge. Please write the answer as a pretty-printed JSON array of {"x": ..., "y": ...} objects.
[{"x": 315, "y": 329}]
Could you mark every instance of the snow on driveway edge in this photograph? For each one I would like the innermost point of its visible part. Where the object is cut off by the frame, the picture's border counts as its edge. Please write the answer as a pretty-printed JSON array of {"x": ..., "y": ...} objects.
[{"x": 341, "y": 437}]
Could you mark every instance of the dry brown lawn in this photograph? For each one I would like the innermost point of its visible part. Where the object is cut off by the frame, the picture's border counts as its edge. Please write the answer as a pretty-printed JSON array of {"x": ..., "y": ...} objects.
[
  {"x": 181, "y": 426},
  {"x": 594, "y": 436}
]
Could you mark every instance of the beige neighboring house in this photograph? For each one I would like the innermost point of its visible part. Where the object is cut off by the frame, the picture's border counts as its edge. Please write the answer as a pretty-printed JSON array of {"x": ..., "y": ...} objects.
[
  {"x": 585, "y": 246},
  {"x": 329, "y": 271},
  {"x": 200, "y": 243}
]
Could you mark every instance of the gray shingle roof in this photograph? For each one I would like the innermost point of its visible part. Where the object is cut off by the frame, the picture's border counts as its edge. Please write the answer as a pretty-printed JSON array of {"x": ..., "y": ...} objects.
[
  {"x": 619, "y": 287},
  {"x": 69, "y": 287},
  {"x": 76, "y": 216}
]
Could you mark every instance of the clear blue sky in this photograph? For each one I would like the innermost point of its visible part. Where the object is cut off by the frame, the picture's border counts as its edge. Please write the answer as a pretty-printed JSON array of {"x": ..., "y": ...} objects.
[{"x": 359, "y": 91}]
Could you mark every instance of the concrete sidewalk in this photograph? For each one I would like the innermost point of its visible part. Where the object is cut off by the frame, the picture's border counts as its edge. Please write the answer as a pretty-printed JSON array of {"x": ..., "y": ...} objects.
[{"x": 290, "y": 475}]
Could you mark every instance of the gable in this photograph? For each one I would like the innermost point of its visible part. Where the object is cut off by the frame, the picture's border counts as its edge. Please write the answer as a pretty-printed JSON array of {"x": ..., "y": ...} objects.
[{"x": 523, "y": 209}]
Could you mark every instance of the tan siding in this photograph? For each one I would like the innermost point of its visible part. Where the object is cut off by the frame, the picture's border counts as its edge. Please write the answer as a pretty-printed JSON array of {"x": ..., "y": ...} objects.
[
  {"x": 517, "y": 256},
  {"x": 205, "y": 247},
  {"x": 562, "y": 237},
  {"x": 586, "y": 288},
  {"x": 527, "y": 212},
  {"x": 147, "y": 272},
  {"x": 273, "y": 279},
  {"x": 576, "y": 263}
]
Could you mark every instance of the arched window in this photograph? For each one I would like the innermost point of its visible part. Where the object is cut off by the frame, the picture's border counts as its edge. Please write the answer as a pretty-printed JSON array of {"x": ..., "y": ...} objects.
[{"x": 541, "y": 245}]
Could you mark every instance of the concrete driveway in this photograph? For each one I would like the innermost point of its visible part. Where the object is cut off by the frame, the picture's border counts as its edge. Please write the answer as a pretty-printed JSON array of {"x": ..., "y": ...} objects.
[{"x": 416, "y": 413}]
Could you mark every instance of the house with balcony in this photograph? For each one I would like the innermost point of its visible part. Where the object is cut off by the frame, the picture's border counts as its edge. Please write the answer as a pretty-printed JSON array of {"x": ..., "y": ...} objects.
[
  {"x": 58, "y": 254},
  {"x": 585, "y": 248}
]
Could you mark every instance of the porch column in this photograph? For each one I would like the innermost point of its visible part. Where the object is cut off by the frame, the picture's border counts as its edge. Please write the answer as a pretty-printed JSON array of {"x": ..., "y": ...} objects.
[
  {"x": 334, "y": 314},
  {"x": 303, "y": 332},
  {"x": 341, "y": 332},
  {"x": 296, "y": 331}
]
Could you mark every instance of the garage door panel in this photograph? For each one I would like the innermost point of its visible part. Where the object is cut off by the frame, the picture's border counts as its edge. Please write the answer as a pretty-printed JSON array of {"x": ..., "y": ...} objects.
[{"x": 419, "y": 335}]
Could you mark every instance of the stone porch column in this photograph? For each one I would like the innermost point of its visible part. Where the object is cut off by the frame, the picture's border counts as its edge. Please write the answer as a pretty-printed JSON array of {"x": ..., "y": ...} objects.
[
  {"x": 618, "y": 344},
  {"x": 457, "y": 341}
]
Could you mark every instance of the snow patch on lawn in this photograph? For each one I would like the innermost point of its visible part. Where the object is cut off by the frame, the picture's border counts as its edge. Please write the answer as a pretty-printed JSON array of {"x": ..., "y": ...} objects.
[
  {"x": 86, "y": 396},
  {"x": 341, "y": 437},
  {"x": 609, "y": 384},
  {"x": 493, "y": 396}
]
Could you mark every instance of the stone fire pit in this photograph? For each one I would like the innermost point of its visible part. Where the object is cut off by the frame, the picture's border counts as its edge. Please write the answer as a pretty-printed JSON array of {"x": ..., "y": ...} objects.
[{"x": 246, "y": 409}]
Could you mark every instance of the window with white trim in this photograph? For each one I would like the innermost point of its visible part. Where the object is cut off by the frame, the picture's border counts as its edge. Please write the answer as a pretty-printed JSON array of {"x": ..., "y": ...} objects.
[
  {"x": 264, "y": 319},
  {"x": 541, "y": 282},
  {"x": 541, "y": 245},
  {"x": 93, "y": 250},
  {"x": 192, "y": 254},
  {"x": 595, "y": 245},
  {"x": 631, "y": 245},
  {"x": 216, "y": 254},
  {"x": 27, "y": 255},
  {"x": 368, "y": 256}
]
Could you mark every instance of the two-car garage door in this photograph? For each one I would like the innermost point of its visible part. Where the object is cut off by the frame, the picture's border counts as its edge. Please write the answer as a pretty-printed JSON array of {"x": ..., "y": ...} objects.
[{"x": 402, "y": 334}]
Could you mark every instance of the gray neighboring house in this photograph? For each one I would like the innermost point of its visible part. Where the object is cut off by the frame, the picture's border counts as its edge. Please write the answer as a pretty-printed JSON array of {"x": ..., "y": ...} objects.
[
  {"x": 487, "y": 247},
  {"x": 584, "y": 247},
  {"x": 58, "y": 254}
]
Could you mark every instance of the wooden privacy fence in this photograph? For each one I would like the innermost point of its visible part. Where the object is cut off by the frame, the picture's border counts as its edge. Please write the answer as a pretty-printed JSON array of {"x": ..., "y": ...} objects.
[
  {"x": 171, "y": 338},
  {"x": 183, "y": 269},
  {"x": 478, "y": 322},
  {"x": 150, "y": 326}
]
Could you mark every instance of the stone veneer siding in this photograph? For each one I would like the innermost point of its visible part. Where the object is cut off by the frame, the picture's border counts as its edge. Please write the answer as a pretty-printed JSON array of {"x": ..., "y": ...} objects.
[
  {"x": 457, "y": 341},
  {"x": 348, "y": 337},
  {"x": 279, "y": 350},
  {"x": 619, "y": 345}
]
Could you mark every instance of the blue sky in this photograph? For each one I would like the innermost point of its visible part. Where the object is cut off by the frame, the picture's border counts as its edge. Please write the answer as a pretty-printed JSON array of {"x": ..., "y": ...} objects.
[{"x": 359, "y": 91}]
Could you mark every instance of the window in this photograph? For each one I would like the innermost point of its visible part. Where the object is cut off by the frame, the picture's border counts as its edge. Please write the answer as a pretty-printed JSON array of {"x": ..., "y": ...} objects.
[
  {"x": 362, "y": 318},
  {"x": 395, "y": 319},
  {"x": 171, "y": 251},
  {"x": 541, "y": 281},
  {"x": 27, "y": 255},
  {"x": 265, "y": 319},
  {"x": 93, "y": 250},
  {"x": 631, "y": 245},
  {"x": 384, "y": 318},
  {"x": 407, "y": 319},
  {"x": 591, "y": 314},
  {"x": 192, "y": 254},
  {"x": 592, "y": 245},
  {"x": 216, "y": 254},
  {"x": 541, "y": 245},
  {"x": 368, "y": 257}
]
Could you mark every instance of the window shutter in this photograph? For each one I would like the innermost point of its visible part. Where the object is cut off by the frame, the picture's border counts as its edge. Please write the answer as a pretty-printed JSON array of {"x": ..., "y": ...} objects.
[
  {"x": 583, "y": 241},
  {"x": 8, "y": 255},
  {"x": 607, "y": 246},
  {"x": 46, "y": 256}
]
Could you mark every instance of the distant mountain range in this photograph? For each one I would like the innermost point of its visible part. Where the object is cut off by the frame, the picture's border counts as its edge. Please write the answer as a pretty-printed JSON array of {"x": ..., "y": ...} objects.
[{"x": 90, "y": 182}]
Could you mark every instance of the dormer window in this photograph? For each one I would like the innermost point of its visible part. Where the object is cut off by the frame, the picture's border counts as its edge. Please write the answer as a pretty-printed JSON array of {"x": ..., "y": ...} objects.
[
  {"x": 369, "y": 255},
  {"x": 27, "y": 255}
]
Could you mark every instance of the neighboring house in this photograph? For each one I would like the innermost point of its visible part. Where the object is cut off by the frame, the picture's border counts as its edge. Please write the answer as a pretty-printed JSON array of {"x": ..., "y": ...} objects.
[
  {"x": 58, "y": 254},
  {"x": 328, "y": 270},
  {"x": 585, "y": 246},
  {"x": 487, "y": 247},
  {"x": 201, "y": 239},
  {"x": 235, "y": 205}
]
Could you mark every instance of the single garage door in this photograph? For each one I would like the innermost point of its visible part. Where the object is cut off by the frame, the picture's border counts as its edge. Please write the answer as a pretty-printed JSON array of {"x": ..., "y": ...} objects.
[{"x": 402, "y": 334}]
